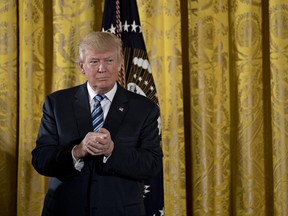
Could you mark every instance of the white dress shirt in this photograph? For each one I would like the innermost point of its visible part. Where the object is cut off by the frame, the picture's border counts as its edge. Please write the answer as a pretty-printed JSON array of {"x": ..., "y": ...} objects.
[{"x": 105, "y": 104}]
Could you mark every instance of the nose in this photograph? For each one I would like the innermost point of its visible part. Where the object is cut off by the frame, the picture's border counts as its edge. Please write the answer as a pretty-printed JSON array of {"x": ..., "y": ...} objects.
[{"x": 101, "y": 67}]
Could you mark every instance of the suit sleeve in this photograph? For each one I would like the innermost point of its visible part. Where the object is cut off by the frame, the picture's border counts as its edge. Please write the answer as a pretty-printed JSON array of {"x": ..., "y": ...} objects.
[
  {"x": 142, "y": 158},
  {"x": 50, "y": 158}
]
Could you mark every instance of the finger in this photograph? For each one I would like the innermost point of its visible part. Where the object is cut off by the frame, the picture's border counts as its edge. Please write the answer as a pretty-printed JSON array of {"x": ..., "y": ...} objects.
[
  {"x": 97, "y": 146},
  {"x": 104, "y": 131},
  {"x": 103, "y": 140},
  {"x": 94, "y": 151}
]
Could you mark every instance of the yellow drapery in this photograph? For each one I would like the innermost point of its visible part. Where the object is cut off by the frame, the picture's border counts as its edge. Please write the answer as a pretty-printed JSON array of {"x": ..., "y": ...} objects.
[{"x": 220, "y": 69}]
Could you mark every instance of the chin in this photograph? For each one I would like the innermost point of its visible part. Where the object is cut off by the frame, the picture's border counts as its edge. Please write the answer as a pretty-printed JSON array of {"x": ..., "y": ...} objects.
[{"x": 104, "y": 88}]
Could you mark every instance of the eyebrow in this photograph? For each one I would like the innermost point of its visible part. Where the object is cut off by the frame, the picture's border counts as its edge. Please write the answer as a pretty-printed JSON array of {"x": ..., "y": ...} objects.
[{"x": 109, "y": 57}]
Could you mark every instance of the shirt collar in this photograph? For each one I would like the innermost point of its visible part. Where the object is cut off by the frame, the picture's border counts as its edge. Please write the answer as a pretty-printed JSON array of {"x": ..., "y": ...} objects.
[{"x": 109, "y": 95}]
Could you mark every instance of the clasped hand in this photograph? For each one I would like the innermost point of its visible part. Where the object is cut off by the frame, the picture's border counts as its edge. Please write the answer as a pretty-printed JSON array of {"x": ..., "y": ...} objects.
[{"x": 95, "y": 143}]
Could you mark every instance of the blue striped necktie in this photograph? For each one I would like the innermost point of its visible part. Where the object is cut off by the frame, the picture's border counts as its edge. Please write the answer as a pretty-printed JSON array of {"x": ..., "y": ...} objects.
[{"x": 97, "y": 113}]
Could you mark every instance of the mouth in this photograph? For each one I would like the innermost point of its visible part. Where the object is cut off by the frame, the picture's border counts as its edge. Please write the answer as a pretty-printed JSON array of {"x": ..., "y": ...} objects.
[{"x": 102, "y": 78}]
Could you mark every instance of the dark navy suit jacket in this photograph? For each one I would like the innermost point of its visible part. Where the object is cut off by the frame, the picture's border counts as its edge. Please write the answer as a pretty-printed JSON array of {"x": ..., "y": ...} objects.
[{"x": 111, "y": 188}]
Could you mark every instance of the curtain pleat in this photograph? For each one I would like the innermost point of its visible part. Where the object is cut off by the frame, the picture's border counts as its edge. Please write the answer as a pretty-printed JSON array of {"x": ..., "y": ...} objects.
[
  {"x": 8, "y": 106},
  {"x": 209, "y": 59},
  {"x": 161, "y": 23},
  {"x": 31, "y": 93},
  {"x": 249, "y": 175},
  {"x": 278, "y": 10}
]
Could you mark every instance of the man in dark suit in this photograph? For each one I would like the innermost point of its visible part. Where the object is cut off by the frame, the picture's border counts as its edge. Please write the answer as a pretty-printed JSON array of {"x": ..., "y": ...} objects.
[{"x": 97, "y": 171}]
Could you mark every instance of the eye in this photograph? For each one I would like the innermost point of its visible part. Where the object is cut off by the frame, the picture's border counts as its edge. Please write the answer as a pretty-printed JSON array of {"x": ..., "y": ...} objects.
[
  {"x": 109, "y": 60},
  {"x": 94, "y": 62}
]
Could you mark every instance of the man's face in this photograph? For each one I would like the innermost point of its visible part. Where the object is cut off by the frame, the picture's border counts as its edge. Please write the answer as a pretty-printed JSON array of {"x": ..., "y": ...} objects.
[{"x": 101, "y": 69}]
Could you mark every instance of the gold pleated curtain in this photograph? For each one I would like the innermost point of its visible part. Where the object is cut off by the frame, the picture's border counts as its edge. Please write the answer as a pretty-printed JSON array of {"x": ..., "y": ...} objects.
[{"x": 221, "y": 72}]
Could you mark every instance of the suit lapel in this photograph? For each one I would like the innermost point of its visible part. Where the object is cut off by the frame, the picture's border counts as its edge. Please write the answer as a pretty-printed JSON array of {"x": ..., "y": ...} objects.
[
  {"x": 82, "y": 111},
  {"x": 116, "y": 112},
  {"x": 115, "y": 115}
]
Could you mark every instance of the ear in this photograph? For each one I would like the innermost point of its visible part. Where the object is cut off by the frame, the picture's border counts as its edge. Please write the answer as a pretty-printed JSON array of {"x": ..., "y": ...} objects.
[{"x": 81, "y": 68}]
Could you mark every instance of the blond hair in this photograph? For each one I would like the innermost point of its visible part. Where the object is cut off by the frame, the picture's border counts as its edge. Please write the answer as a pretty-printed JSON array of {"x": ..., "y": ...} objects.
[{"x": 100, "y": 42}]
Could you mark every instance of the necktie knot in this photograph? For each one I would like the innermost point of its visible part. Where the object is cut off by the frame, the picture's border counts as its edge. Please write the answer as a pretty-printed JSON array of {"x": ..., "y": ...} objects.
[{"x": 99, "y": 97}]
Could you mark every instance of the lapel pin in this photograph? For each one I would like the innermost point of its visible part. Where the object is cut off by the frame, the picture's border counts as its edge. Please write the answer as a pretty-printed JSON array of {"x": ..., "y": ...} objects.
[{"x": 121, "y": 109}]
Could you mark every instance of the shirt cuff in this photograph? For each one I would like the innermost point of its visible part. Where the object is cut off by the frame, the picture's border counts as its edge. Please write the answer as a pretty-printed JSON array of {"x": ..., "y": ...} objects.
[
  {"x": 105, "y": 158},
  {"x": 78, "y": 164}
]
